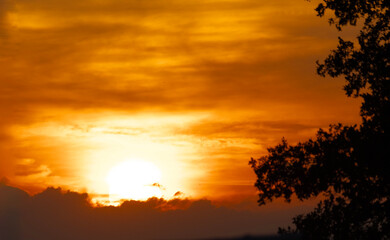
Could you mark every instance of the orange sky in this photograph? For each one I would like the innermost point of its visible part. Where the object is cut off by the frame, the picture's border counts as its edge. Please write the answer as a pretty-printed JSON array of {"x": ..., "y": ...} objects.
[{"x": 195, "y": 87}]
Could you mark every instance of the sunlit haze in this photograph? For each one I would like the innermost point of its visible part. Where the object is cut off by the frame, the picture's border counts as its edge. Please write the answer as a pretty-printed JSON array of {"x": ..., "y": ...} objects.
[{"x": 134, "y": 179}]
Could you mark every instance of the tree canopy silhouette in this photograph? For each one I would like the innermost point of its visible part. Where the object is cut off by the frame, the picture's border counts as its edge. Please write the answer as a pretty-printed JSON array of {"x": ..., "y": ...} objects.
[{"x": 347, "y": 165}]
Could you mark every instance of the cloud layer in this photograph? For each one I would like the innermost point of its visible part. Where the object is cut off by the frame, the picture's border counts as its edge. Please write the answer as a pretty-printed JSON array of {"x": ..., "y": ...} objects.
[{"x": 196, "y": 86}]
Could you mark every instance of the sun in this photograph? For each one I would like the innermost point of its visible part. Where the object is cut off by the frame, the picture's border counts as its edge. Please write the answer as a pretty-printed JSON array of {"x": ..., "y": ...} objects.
[{"x": 134, "y": 180}]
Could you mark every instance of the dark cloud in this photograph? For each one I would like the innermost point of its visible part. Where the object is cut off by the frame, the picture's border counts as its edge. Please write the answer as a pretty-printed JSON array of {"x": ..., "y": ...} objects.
[
  {"x": 55, "y": 214},
  {"x": 12, "y": 203},
  {"x": 178, "y": 194}
]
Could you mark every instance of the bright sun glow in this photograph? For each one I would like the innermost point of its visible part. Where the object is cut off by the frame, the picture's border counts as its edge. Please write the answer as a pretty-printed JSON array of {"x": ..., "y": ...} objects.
[{"x": 134, "y": 179}]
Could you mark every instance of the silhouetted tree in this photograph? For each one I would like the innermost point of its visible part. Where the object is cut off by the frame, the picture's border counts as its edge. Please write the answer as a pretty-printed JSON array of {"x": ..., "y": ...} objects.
[{"x": 346, "y": 165}]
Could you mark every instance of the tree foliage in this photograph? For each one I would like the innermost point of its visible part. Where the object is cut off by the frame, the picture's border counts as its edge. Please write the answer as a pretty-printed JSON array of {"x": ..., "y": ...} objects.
[{"x": 348, "y": 165}]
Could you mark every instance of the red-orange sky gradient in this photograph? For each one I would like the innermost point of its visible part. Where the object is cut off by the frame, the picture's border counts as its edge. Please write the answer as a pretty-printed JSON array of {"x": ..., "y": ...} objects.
[{"x": 195, "y": 87}]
